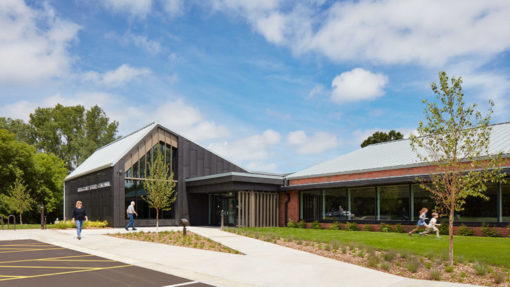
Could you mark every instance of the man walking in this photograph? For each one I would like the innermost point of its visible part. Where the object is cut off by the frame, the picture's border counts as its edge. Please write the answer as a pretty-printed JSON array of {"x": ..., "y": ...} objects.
[{"x": 130, "y": 211}]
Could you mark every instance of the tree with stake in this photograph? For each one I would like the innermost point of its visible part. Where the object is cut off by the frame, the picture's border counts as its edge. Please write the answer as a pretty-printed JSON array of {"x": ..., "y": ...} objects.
[
  {"x": 455, "y": 140},
  {"x": 19, "y": 198},
  {"x": 159, "y": 185}
]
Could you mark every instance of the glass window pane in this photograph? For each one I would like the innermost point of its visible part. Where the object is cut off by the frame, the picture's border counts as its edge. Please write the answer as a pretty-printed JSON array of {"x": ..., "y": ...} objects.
[
  {"x": 142, "y": 167},
  {"x": 422, "y": 198},
  {"x": 336, "y": 204},
  {"x": 363, "y": 203},
  {"x": 394, "y": 203},
  {"x": 312, "y": 205},
  {"x": 174, "y": 162},
  {"x": 129, "y": 172},
  {"x": 135, "y": 170},
  {"x": 506, "y": 202},
  {"x": 479, "y": 210}
]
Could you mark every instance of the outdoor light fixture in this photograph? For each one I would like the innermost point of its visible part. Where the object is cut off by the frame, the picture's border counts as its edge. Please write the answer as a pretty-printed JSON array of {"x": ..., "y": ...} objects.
[{"x": 184, "y": 222}]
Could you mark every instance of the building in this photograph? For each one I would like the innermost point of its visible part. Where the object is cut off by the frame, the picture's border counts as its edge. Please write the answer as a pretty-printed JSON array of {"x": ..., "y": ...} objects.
[{"x": 370, "y": 185}]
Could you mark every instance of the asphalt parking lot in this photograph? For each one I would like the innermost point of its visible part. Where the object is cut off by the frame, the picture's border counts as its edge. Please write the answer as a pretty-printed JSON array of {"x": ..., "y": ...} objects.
[{"x": 34, "y": 263}]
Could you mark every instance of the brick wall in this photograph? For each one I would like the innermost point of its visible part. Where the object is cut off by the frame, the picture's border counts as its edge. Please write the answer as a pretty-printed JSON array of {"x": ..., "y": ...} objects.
[{"x": 293, "y": 207}]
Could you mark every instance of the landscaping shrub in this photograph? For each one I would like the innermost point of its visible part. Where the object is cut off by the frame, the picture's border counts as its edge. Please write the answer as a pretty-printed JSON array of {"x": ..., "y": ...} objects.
[
  {"x": 385, "y": 266},
  {"x": 448, "y": 269},
  {"x": 351, "y": 226},
  {"x": 335, "y": 244},
  {"x": 443, "y": 228},
  {"x": 301, "y": 224},
  {"x": 480, "y": 268},
  {"x": 335, "y": 226},
  {"x": 367, "y": 227},
  {"x": 398, "y": 228},
  {"x": 489, "y": 231},
  {"x": 499, "y": 277},
  {"x": 291, "y": 224},
  {"x": 465, "y": 231},
  {"x": 390, "y": 255},
  {"x": 435, "y": 274},
  {"x": 373, "y": 260},
  {"x": 316, "y": 225},
  {"x": 385, "y": 227},
  {"x": 413, "y": 264},
  {"x": 87, "y": 224}
]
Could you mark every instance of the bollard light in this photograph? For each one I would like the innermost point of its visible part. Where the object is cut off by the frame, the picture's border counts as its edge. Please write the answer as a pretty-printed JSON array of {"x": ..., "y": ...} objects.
[{"x": 184, "y": 222}]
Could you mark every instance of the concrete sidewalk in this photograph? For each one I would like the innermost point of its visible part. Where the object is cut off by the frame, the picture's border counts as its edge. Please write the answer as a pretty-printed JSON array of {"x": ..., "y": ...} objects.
[{"x": 264, "y": 264}]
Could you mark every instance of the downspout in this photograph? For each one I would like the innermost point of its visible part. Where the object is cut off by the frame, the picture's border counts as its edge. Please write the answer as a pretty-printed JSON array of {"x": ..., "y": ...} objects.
[{"x": 287, "y": 207}]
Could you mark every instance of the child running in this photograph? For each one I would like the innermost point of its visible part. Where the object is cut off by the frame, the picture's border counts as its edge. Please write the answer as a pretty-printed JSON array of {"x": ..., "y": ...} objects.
[
  {"x": 421, "y": 220},
  {"x": 432, "y": 225}
]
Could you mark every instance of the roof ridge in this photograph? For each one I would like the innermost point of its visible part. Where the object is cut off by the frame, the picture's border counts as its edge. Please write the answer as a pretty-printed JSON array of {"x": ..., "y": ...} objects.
[{"x": 121, "y": 138}]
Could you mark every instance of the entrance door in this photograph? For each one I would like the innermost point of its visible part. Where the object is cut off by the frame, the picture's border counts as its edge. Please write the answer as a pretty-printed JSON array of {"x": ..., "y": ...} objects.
[{"x": 226, "y": 202}]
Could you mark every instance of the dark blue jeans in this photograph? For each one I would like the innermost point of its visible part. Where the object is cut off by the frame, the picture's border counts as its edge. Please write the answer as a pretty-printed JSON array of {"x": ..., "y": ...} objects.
[
  {"x": 79, "y": 225},
  {"x": 131, "y": 221}
]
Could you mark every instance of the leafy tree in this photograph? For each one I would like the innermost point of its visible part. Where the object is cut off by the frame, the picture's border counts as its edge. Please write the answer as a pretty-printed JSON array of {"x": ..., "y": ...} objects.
[
  {"x": 71, "y": 133},
  {"x": 159, "y": 184},
  {"x": 455, "y": 140},
  {"x": 19, "y": 198},
  {"x": 22, "y": 130},
  {"x": 50, "y": 172},
  {"x": 379, "y": 137}
]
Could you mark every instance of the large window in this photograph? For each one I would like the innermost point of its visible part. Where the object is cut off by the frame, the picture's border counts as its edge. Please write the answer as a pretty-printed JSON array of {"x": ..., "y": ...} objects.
[
  {"x": 394, "y": 202},
  {"x": 363, "y": 203},
  {"x": 422, "y": 198},
  {"x": 336, "y": 207},
  {"x": 505, "y": 204},
  {"x": 134, "y": 191},
  {"x": 481, "y": 210},
  {"x": 312, "y": 204}
]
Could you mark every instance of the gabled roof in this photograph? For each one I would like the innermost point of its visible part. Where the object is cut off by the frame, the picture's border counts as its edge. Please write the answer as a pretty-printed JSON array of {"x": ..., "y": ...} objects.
[
  {"x": 391, "y": 155},
  {"x": 110, "y": 154}
]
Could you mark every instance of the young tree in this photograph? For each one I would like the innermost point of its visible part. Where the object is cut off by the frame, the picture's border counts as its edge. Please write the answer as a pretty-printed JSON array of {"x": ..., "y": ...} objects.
[
  {"x": 159, "y": 185},
  {"x": 379, "y": 137},
  {"x": 19, "y": 198},
  {"x": 455, "y": 140}
]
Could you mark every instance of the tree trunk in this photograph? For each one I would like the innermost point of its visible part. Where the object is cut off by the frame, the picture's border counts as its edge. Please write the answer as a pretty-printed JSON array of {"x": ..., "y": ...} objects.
[
  {"x": 20, "y": 218},
  {"x": 450, "y": 233},
  {"x": 157, "y": 219}
]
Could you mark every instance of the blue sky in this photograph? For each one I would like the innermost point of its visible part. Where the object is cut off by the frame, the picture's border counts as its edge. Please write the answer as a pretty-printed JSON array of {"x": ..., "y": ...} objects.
[{"x": 271, "y": 85}]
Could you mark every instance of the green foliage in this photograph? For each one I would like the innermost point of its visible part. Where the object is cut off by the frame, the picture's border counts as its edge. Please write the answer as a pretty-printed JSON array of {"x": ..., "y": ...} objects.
[
  {"x": 159, "y": 186},
  {"x": 335, "y": 244},
  {"x": 335, "y": 226},
  {"x": 465, "y": 231},
  {"x": 385, "y": 227},
  {"x": 379, "y": 137},
  {"x": 435, "y": 274},
  {"x": 385, "y": 266},
  {"x": 373, "y": 260},
  {"x": 71, "y": 133},
  {"x": 301, "y": 224},
  {"x": 413, "y": 264},
  {"x": 368, "y": 227},
  {"x": 452, "y": 135},
  {"x": 499, "y": 277},
  {"x": 390, "y": 255},
  {"x": 480, "y": 268},
  {"x": 19, "y": 198},
  {"x": 443, "y": 228},
  {"x": 23, "y": 131},
  {"x": 398, "y": 228},
  {"x": 316, "y": 225},
  {"x": 351, "y": 226},
  {"x": 64, "y": 224},
  {"x": 488, "y": 231},
  {"x": 448, "y": 269},
  {"x": 291, "y": 224}
]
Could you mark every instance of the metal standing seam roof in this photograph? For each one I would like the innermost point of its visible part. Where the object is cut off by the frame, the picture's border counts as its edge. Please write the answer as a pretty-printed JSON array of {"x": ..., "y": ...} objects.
[
  {"x": 110, "y": 154},
  {"x": 391, "y": 155}
]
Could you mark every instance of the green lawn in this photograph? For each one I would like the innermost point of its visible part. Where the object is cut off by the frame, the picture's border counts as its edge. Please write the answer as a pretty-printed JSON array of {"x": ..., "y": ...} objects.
[
  {"x": 27, "y": 226},
  {"x": 494, "y": 251}
]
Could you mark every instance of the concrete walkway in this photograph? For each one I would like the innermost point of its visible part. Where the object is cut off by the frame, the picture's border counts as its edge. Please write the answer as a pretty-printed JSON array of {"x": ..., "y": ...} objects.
[{"x": 264, "y": 264}]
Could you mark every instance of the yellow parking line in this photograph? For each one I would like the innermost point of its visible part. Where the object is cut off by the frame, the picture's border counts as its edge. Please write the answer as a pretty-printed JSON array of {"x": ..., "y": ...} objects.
[
  {"x": 78, "y": 260},
  {"x": 67, "y": 272},
  {"x": 27, "y": 250},
  {"x": 46, "y": 267},
  {"x": 45, "y": 259}
]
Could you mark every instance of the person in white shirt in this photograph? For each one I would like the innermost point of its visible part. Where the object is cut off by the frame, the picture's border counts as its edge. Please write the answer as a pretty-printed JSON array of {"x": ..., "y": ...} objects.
[
  {"x": 130, "y": 211},
  {"x": 432, "y": 225}
]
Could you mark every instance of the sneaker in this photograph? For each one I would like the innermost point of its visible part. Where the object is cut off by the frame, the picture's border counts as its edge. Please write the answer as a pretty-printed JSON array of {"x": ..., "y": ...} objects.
[
  {"x": 134, "y": 228},
  {"x": 126, "y": 228},
  {"x": 79, "y": 237}
]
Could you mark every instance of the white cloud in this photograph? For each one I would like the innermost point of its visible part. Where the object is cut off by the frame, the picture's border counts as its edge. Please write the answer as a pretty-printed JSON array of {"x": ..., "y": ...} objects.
[
  {"x": 317, "y": 90},
  {"x": 140, "y": 41},
  {"x": 117, "y": 77},
  {"x": 33, "y": 43},
  {"x": 174, "y": 8},
  {"x": 139, "y": 8},
  {"x": 428, "y": 33},
  {"x": 253, "y": 148},
  {"x": 357, "y": 85},
  {"x": 315, "y": 144}
]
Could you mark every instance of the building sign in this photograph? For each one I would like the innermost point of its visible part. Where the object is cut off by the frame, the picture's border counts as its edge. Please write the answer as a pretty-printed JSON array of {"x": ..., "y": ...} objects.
[{"x": 94, "y": 186}]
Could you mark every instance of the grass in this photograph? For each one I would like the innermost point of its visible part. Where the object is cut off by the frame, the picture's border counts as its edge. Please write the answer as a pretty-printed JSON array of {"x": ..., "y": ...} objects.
[
  {"x": 60, "y": 225},
  {"x": 28, "y": 226},
  {"x": 488, "y": 250}
]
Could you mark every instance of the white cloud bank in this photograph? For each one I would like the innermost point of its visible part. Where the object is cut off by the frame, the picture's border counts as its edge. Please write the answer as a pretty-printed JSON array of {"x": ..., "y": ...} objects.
[
  {"x": 357, "y": 85},
  {"x": 318, "y": 143},
  {"x": 139, "y": 8},
  {"x": 33, "y": 43},
  {"x": 117, "y": 77}
]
